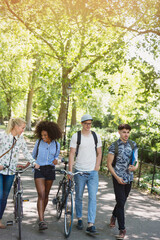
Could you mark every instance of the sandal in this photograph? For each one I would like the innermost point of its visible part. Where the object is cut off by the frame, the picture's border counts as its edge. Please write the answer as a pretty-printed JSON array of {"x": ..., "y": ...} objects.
[{"x": 42, "y": 225}]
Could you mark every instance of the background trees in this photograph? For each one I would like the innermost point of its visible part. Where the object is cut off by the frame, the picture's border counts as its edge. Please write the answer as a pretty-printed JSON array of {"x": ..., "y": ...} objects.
[{"x": 86, "y": 44}]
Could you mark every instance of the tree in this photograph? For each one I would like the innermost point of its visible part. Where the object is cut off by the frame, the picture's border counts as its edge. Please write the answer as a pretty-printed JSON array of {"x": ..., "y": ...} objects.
[
  {"x": 80, "y": 35},
  {"x": 13, "y": 82},
  {"x": 70, "y": 31}
]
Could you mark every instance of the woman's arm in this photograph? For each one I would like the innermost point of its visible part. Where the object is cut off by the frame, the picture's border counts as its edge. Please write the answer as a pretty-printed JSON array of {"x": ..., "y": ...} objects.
[{"x": 55, "y": 161}]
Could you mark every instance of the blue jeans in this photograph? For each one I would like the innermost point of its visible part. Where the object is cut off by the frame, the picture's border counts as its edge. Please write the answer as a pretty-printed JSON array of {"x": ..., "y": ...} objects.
[
  {"x": 121, "y": 194},
  {"x": 6, "y": 182},
  {"x": 91, "y": 181}
]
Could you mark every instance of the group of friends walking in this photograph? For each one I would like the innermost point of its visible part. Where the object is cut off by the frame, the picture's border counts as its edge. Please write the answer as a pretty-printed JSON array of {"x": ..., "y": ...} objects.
[{"x": 85, "y": 155}]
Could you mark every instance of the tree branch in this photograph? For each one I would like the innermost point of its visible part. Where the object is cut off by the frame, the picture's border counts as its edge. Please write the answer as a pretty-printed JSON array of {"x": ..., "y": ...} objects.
[{"x": 31, "y": 30}]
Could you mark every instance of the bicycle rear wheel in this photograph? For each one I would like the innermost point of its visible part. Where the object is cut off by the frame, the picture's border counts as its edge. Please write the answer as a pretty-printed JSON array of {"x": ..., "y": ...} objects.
[
  {"x": 19, "y": 214},
  {"x": 59, "y": 202},
  {"x": 68, "y": 216},
  {"x": 14, "y": 188},
  {"x": 15, "y": 201}
]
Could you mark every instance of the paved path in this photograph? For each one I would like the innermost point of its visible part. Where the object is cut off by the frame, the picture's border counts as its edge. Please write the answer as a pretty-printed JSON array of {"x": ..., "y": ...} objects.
[{"x": 142, "y": 215}]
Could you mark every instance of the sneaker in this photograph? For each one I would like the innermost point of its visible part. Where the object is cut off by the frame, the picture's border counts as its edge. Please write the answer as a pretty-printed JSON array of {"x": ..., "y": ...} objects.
[
  {"x": 112, "y": 222},
  {"x": 121, "y": 235},
  {"x": 92, "y": 230},
  {"x": 80, "y": 224},
  {"x": 42, "y": 225}
]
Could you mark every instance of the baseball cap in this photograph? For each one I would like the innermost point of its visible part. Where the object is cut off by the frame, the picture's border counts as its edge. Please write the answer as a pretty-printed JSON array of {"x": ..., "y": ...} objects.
[{"x": 86, "y": 117}]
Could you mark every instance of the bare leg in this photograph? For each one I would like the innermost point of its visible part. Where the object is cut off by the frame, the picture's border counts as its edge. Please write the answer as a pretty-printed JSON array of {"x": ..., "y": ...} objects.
[
  {"x": 48, "y": 185},
  {"x": 40, "y": 186},
  {"x": 43, "y": 188}
]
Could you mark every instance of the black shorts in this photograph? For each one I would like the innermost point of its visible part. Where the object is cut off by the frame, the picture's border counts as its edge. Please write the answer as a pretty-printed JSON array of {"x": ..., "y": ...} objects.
[{"x": 45, "y": 172}]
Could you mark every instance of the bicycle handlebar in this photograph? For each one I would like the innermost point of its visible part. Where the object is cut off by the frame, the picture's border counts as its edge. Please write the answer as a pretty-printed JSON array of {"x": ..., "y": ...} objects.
[
  {"x": 18, "y": 170},
  {"x": 63, "y": 171}
]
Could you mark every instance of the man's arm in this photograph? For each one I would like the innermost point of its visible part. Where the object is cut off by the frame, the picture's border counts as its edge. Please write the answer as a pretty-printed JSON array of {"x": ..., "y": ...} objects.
[
  {"x": 110, "y": 159},
  {"x": 71, "y": 158},
  {"x": 98, "y": 159}
]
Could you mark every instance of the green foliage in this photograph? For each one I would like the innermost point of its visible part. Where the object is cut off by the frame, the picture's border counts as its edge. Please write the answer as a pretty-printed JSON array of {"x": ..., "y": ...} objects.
[
  {"x": 144, "y": 186},
  {"x": 97, "y": 123},
  {"x": 147, "y": 178},
  {"x": 45, "y": 45}
]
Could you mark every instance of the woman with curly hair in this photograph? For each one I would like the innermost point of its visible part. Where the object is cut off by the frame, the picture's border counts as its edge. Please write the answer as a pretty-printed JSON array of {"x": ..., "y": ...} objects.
[{"x": 46, "y": 152}]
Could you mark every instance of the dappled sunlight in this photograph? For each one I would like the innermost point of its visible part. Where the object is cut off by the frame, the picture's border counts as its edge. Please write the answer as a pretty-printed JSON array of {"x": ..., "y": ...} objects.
[
  {"x": 27, "y": 178},
  {"x": 142, "y": 214}
]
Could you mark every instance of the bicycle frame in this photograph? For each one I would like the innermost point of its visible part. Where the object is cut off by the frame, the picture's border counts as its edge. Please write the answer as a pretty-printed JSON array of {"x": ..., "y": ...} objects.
[
  {"x": 64, "y": 199},
  {"x": 17, "y": 190},
  {"x": 17, "y": 197}
]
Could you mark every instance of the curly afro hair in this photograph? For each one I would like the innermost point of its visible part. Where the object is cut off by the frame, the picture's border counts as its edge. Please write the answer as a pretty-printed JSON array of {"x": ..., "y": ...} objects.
[{"x": 52, "y": 128}]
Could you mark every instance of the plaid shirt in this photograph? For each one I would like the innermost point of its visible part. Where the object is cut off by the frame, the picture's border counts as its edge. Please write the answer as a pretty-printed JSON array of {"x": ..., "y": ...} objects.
[{"x": 123, "y": 160}]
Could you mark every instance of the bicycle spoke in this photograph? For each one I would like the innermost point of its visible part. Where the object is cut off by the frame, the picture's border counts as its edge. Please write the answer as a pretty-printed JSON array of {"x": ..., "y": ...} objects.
[
  {"x": 68, "y": 218},
  {"x": 59, "y": 202}
]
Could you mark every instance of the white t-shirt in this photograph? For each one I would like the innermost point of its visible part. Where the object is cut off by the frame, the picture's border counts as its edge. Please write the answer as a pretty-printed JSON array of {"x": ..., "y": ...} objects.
[{"x": 86, "y": 159}]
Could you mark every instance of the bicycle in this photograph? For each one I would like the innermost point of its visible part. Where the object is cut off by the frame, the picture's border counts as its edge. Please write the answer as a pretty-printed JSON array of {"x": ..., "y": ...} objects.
[
  {"x": 18, "y": 198},
  {"x": 64, "y": 198}
]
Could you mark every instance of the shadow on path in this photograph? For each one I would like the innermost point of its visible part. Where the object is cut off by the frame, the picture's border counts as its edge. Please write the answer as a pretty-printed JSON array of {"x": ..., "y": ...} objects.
[{"x": 142, "y": 214}]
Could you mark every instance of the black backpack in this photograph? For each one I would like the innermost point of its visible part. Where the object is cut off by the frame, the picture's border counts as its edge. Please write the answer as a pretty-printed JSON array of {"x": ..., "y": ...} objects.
[
  {"x": 79, "y": 141},
  {"x": 116, "y": 151}
]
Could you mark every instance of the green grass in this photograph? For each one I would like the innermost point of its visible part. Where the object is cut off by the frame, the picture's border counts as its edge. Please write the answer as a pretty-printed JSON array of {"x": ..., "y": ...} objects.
[{"x": 2, "y": 127}]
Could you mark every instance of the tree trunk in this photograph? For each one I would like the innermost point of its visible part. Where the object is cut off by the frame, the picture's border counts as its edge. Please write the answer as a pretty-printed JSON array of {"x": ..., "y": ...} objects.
[
  {"x": 1, "y": 119},
  {"x": 9, "y": 107},
  {"x": 73, "y": 119},
  {"x": 29, "y": 109},
  {"x": 63, "y": 108}
]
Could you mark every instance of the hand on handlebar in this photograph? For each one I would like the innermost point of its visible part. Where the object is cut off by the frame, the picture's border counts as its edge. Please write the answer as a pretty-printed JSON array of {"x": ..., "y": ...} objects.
[
  {"x": 69, "y": 175},
  {"x": 21, "y": 166}
]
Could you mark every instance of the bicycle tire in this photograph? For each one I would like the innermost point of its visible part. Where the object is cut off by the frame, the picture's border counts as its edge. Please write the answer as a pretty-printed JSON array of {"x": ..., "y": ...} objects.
[
  {"x": 59, "y": 202},
  {"x": 15, "y": 201},
  {"x": 68, "y": 215},
  {"x": 19, "y": 215}
]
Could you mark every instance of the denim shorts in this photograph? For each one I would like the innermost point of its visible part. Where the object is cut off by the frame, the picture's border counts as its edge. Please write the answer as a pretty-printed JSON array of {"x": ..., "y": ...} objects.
[{"x": 47, "y": 172}]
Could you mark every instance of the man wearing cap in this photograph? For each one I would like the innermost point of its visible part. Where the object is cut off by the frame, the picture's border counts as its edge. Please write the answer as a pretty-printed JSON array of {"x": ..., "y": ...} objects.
[{"x": 88, "y": 160}]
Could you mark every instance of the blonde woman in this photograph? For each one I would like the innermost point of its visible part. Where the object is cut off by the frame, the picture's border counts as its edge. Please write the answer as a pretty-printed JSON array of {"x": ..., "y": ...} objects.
[{"x": 11, "y": 142}]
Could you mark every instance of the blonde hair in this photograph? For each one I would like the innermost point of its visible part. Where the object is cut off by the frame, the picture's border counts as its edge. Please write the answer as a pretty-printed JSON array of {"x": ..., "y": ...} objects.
[{"x": 12, "y": 122}]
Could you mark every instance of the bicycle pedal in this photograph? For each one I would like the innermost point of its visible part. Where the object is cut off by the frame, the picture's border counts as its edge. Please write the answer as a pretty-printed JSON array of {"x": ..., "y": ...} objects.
[
  {"x": 9, "y": 223},
  {"x": 25, "y": 200},
  {"x": 54, "y": 201}
]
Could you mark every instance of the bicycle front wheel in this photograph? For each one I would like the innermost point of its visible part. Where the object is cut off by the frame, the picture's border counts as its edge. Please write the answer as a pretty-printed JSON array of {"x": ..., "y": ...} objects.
[
  {"x": 59, "y": 201},
  {"x": 19, "y": 214},
  {"x": 68, "y": 216}
]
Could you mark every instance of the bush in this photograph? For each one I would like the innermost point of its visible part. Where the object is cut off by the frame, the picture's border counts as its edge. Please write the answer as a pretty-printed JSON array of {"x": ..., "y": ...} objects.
[{"x": 144, "y": 186}]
